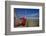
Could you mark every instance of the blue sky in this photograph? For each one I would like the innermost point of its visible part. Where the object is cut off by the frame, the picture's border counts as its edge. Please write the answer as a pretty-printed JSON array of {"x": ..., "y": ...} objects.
[{"x": 26, "y": 12}]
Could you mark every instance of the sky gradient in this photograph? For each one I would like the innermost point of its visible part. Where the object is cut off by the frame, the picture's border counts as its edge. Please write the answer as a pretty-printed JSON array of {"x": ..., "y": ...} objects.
[{"x": 29, "y": 13}]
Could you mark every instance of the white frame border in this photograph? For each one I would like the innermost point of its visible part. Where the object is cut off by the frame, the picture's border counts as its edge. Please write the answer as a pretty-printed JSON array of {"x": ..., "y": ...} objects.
[{"x": 25, "y": 28}]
